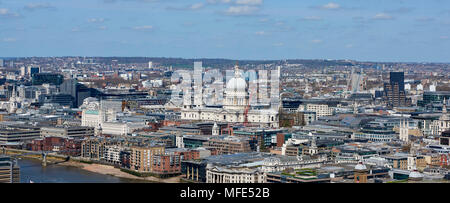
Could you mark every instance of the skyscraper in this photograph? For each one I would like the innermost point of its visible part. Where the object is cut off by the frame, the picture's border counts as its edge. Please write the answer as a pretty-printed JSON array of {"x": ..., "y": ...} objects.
[
  {"x": 1, "y": 63},
  {"x": 33, "y": 70},
  {"x": 23, "y": 71},
  {"x": 394, "y": 91},
  {"x": 197, "y": 88},
  {"x": 355, "y": 81},
  {"x": 69, "y": 87},
  {"x": 399, "y": 78}
]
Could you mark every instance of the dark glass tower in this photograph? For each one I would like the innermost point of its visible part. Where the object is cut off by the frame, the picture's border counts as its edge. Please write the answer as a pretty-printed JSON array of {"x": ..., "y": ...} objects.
[
  {"x": 399, "y": 79},
  {"x": 394, "y": 91}
]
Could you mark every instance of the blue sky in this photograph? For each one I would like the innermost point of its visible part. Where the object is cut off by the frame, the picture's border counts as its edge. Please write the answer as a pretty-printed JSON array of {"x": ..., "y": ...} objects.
[{"x": 366, "y": 30}]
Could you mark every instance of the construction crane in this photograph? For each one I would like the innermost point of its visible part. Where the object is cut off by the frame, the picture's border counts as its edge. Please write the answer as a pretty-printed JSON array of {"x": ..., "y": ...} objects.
[
  {"x": 246, "y": 115},
  {"x": 247, "y": 108}
]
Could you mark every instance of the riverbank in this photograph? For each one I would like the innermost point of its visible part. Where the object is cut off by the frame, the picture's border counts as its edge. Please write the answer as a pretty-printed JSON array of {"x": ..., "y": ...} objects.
[
  {"x": 96, "y": 168},
  {"x": 110, "y": 170}
]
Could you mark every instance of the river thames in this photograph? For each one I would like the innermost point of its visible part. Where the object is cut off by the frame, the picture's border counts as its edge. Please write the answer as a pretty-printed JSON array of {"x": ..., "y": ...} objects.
[{"x": 31, "y": 170}]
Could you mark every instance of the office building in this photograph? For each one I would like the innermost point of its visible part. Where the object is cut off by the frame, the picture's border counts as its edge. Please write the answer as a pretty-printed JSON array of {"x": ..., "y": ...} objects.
[
  {"x": 228, "y": 144},
  {"x": 444, "y": 139},
  {"x": 142, "y": 157},
  {"x": 394, "y": 91},
  {"x": 434, "y": 97},
  {"x": 77, "y": 91},
  {"x": 67, "y": 131},
  {"x": 234, "y": 175},
  {"x": 31, "y": 70},
  {"x": 18, "y": 136},
  {"x": 397, "y": 78},
  {"x": 94, "y": 148},
  {"x": 47, "y": 78},
  {"x": 9, "y": 170}
]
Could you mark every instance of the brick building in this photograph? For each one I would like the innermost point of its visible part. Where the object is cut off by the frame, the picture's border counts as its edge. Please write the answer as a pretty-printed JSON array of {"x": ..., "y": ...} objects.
[
  {"x": 167, "y": 165},
  {"x": 47, "y": 144},
  {"x": 67, "y": 146},
  {"x": 228, "y": 144},
  {"x": 141, "y": 158}
]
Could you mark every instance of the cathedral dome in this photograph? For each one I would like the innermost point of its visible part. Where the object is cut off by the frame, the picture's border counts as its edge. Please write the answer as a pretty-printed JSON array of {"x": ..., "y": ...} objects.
[{"x": 236, "y": 84}]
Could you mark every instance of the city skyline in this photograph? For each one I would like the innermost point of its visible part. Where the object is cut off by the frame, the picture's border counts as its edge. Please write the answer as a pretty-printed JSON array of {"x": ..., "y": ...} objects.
[{"x": 394, "y": 31}]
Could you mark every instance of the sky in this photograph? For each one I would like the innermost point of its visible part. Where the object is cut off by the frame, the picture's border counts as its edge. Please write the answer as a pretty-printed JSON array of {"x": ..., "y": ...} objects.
[{"x": 363, "y": 30}]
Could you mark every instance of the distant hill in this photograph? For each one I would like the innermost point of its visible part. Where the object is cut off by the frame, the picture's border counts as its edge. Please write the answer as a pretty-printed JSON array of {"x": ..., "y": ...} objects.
[{"x": 217, "y": 63}]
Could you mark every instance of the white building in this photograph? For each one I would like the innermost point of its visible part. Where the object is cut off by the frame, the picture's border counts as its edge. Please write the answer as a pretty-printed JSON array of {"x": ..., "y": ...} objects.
[
  {"x": 215, "y": 174},
  {"x": 23, "y": 71},
  {"x": 179, "y": 141},
  {"x": 112, "y": 154},
  {"x": 93, "y": 115},
  {"x": 408, "y": 87},
  {"x": 320, "y": 109},
  {"x": 443, "y": 124},
  {"x": 104, "y": 119},
  {"x": 13, "y": 104},
  {"x": 419, "y": 87},
  {"x": 433, "y": 88},
  {"x": 280, "y": 163},
  {"x": 292, "y": 141},
  {"x": 404, "y": 131}
]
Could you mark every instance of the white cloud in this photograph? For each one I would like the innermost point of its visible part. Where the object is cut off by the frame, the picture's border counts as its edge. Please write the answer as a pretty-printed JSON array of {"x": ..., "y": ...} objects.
[
  {"x": 142, "y": 28},
  {"x": 76, "y": 29},
  {"x": 141, "y": 1},
  {"x": 188, "y": 7},
  {"x": 241, "y": 10},
  {"x": 249, "y": 2},
  {"x": 4, "y": 11},
  {"x": 36, "y": 6},
  {"x": 331, "y": 6},
  {"x": 96, "y": 20},
  {"x": 280, "y": 44},
  {"x": 9, "y": 39},
  {"x": 312, "y": 18},
  {"x": 218, "y": 1},
  {"x": 382, "y": 16},
  {"x": 260, "y": 33},
  {"x": 196, "y": 6},
  {"x": 7, "y": 13}
]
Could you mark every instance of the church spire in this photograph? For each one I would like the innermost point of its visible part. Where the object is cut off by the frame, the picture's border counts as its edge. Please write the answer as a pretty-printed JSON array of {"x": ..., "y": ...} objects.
[
  {"x": 215, "y": 129},
  {"x": 444, "y": 115},
  {"x": 444, "y": 107}
]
